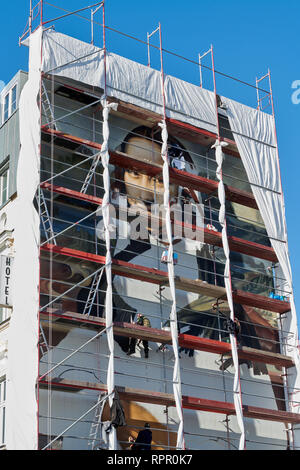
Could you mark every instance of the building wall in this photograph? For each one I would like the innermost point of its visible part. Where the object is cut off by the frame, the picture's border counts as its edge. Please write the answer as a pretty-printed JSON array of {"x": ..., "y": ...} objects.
[
  {"x": 9, "y": 132},
  {"x": 201, "y": 374}
]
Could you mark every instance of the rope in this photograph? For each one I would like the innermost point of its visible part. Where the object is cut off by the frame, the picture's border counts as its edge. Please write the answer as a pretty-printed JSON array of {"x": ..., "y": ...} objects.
[
  {"x": 173, "y": 315},
  {"x": 108, "y": 299},
  {"x": 227, "y": 278}
]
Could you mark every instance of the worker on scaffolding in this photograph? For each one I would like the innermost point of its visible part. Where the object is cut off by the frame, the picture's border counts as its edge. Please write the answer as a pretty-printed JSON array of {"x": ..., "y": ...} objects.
[
  {"x": 142, "y": 321},
  {"x": 144, "y": 439}
]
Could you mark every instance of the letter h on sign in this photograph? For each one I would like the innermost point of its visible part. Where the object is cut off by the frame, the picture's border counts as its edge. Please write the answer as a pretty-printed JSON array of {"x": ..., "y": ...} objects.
[{"x": 5, "y": 281}]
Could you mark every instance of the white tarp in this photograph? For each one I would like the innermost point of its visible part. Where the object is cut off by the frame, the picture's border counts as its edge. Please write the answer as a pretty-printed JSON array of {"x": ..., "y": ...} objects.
[
  {"x": 23, "y": 335},
  {"x": 180, "y": 445},
  {"x": 109, "y": 295},
  {"x": 254, "y": 133},
  {"x": 222, "y": 219},
  {"x": 127, "y": 80}
]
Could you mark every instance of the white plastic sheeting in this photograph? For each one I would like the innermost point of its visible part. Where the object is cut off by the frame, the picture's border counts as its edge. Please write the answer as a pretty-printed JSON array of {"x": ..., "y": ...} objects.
[
  {"x": 222, "y": 219},
  {"x": 173, "y": 315},
  {"x": 254, "y": 133},
  {"x": 127, "y": 80},
  {"x": 23, "y": 332},
  {"x": 108, "y": 299}
]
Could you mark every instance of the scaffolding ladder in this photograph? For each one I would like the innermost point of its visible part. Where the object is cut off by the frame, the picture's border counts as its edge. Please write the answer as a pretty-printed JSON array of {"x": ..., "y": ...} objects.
[
  {"x": 47, "y": 108},
  {"x": 43, "y": 344},
  {"x": 96, "y": 424},
  {"x": 91, "y": 172},
  {"x": 45, "y": 219},
  {"x": 92, "y": 293}
]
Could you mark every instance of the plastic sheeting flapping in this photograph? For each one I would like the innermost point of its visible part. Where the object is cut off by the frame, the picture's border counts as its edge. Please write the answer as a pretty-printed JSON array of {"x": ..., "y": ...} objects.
[
  {"x": 23, "y": 335},
  {"x": 108, "y": 299},
  {"x": 173, "y": 315},
  {"x": 222, "y": 219},
  {"x": 254, "y": 133},
  {"x": 127, "y": 80}
]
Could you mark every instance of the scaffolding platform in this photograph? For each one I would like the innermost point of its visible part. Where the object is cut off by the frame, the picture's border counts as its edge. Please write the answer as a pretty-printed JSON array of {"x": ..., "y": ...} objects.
[
  {"x": 164, "y": 337},
  {"x": 210, "y": 237},
  {"x": 155, "y": 276},
  {"x": 165, "y": 399},
  {"x": 179, "y": 177}
]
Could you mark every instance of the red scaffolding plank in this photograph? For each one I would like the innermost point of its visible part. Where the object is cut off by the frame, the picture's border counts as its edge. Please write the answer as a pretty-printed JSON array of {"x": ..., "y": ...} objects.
[
  {"x": 71, "y": 193},
  {"x": 166, "y": 399},
  {"x": 211, "y": 237},
  {"x": 178, "y": 177},
  {"x": 164, "y": 337},
  {"x": 176, "y": 127},
  {"x": 156, "y": 276}
]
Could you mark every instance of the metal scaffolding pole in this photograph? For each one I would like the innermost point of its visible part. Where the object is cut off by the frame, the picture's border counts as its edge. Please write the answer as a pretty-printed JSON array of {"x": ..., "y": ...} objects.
[{"x": 237, "y": 383}]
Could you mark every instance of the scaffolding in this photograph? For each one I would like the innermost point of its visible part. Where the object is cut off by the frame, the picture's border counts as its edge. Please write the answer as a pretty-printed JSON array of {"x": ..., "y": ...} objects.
[{"x": 79, "y": 184}]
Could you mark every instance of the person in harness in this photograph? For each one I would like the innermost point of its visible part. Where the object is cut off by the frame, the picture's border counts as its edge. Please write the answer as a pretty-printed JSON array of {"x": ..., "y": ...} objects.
[{"x": 142, "y": 321}]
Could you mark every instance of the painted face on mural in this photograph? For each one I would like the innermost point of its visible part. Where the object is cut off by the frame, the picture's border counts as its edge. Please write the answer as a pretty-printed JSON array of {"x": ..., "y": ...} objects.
[{"x": 141, "y": 187}]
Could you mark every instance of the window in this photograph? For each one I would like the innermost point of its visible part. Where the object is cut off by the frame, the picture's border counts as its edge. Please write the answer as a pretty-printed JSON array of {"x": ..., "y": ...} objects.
[
  {"x": 6, "y": 107},
  {"x": 4, "y": 185},
  {"x": 13, "y": 99},
  {"x": 10, "y": 103},
  {"x": 2, "y": 409}
]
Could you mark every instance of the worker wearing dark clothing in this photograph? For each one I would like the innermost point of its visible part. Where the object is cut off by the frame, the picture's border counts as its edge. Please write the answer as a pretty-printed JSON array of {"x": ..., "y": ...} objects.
[
  {"x": 143, "y": 321},
  {"x": 144, "y": 439}
]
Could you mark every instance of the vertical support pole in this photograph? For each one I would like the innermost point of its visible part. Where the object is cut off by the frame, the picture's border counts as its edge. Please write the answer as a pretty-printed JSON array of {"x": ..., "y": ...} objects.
[
  {"x": 148, "y": 42},
  {"x": 162, "y": 72},
  {"x": 288, "y": 426},
  {"x": 180, "y": 445},
  {"x": 200, "y": 57},
  {"x": 39, "y": 318},
  {"x": 106, "y": 215},
  {"x": 104, "y": 47},
  {"x": 257, "y": 94},
  {"x": 227, "y": 273},
  {"x": 200, "y": 70},
  {"x": 30, "y": 17},
  {"x": 92, "y": 27},
  {"x": 215, "y": 90},
  {"x": 93, "y": 12},
  {"x": 42, "y": 12},
  {"x": 148, "y": 48}
]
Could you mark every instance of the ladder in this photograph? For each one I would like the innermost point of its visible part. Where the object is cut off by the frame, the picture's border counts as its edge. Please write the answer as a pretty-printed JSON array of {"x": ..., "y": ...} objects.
[
  {"x": 43, "y": 344},
  {"x": 96, "y": 424},
  {"x": 92, "y": 293},
  {"x": 91, "y": 173},
  {"x": 47, "y": 108},
  {"x": 45, "y": 219}
]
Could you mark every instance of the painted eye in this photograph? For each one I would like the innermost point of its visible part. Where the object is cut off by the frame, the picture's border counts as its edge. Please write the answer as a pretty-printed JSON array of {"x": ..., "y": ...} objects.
[{"x": 134, "y": 173}]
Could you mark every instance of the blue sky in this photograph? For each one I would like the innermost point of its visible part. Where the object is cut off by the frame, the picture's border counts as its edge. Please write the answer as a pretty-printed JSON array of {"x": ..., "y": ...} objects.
[{"x": 248, "y": 37}]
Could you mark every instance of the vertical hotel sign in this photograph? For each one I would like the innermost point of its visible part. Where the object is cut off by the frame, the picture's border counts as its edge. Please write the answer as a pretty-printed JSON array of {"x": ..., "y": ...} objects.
[{"x": 6, "y": 263}]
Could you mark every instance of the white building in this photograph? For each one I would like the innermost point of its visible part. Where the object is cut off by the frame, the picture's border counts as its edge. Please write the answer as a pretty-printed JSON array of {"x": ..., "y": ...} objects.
[{"x": 67, "y": 313}]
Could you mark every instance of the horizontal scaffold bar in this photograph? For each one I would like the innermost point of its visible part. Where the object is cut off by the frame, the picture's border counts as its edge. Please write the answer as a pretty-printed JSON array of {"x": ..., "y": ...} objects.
[
  {"x": 178, "y": 177},
  {"x": 164, "y": 337},
  {"x": 71, "y": 193},
  {"x": 209, "y": 236},
  {"x": 155, "y": 276},
  {"x": 176, "y": 127},
  {"x": 166, "y": 399}
]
